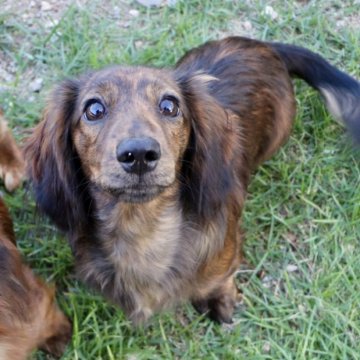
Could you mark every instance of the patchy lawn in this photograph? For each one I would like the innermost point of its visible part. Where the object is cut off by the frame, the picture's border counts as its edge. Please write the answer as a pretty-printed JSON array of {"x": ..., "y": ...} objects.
[{"x": 302, "y": 214}]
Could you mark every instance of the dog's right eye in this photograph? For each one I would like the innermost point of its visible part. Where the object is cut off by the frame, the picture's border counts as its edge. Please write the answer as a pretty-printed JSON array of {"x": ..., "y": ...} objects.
[
  {"x": 95, "y": 110},
  {"x": 169, "y": 106}
]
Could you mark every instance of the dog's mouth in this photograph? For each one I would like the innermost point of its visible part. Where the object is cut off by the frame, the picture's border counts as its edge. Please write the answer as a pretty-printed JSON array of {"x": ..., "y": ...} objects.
[
  {"x": 132, "y": 189},
  {"x": 136, "y": 194}
]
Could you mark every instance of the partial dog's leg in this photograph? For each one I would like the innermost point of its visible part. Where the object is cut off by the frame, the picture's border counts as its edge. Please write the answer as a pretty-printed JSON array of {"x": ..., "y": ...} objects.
[
  {"x": 12, "y": 168},
  {"x": 218, "y": 294},
  {"x": 220, "y": 304}
]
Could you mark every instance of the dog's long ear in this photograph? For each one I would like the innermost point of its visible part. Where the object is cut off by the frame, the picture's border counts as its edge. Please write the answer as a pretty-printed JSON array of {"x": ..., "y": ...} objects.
[
  {"x": 209, "y": 162},
  {"x": 53, "y": 165}
]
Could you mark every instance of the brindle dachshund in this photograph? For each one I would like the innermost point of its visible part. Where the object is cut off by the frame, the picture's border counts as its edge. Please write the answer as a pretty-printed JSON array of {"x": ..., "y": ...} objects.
[
  {"x": 147, "y": 170},
  {"x": 29, "y": 316}
]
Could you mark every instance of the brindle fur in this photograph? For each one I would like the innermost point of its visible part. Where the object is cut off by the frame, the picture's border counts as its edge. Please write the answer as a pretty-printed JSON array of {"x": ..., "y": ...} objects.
[{"x": 182, "y": 241}]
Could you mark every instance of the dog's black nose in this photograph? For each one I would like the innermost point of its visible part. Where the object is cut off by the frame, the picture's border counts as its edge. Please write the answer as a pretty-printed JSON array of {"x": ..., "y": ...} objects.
[{"x": 138, "y": 155}]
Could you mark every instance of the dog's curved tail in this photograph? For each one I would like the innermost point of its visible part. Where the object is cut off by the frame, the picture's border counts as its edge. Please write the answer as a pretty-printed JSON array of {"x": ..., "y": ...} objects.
[{"x": 340, "y": 91}]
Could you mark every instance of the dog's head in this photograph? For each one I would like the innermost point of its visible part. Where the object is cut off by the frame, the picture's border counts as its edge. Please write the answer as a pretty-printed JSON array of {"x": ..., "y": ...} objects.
[{"x": 132, "y": 133}]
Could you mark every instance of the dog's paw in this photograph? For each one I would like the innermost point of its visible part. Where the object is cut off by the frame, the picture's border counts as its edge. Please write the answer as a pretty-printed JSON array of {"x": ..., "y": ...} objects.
[
  {"x": 12, "y": 175},
  {"x": 220, "y": 305},
  {"x": 12, "y": 166},
  {"x": 221, "y": 309}
]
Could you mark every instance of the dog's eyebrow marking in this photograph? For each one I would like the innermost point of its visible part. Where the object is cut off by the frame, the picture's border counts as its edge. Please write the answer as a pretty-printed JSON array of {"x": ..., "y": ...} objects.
[
  {"x": 109, "y": 85},
  {"x": 152, "y": 83},
  {"x": 155, "y": 89},
  {"x": 107, "y": 90},
  {"x": 203, "y": 77}
]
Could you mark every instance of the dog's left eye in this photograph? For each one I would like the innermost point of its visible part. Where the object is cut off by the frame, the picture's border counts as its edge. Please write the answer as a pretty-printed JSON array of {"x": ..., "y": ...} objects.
[
  {"x": 94, "y": 111},
  {"x": 169, "y": 107}
]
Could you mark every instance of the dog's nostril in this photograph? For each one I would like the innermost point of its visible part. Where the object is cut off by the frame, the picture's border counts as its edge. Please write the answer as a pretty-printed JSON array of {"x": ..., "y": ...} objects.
[
  {"x": 127, "y": 157},
  {"x": 151, "y": 156}
]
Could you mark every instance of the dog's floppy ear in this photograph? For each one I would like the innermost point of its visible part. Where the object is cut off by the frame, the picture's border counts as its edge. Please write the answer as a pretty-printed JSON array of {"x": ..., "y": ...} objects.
[
  {"x": 208, "y": 166},
  {"x": 53, "y": 165}
]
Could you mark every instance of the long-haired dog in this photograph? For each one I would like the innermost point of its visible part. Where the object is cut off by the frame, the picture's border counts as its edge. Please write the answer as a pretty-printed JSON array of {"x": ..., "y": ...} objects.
[
  {"x": 29, "y": 316},
  {"x": 146, "y": 170}
]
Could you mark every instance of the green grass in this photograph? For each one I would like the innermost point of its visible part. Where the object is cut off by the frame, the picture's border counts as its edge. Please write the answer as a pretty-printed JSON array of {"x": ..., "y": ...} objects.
[{"x": 303, "y": 209}]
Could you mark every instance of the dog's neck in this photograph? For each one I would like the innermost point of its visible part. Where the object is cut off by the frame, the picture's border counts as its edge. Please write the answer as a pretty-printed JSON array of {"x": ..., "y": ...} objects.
[{"x": 159, "y": 220}]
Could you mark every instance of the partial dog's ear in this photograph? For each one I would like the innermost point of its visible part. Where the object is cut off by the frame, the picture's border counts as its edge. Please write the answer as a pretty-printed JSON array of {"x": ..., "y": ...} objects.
[
  {"x": 53, "y": 165},
  {"x": 209, "y": 162}
]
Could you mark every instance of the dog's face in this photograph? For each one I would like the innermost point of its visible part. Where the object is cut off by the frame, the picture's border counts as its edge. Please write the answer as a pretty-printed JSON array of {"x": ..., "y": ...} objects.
[{"x": 130, "y": 131}]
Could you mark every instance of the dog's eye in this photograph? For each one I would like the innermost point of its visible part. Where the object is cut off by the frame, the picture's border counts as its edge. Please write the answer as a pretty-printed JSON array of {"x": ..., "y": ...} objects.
[
  {"x": 94, "y": 111},
  {"x": 169, "y": 107}
]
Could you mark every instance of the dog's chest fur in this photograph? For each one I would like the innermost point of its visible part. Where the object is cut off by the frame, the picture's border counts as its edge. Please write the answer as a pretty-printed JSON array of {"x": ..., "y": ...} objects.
[{"x": 154, "y": 253}]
